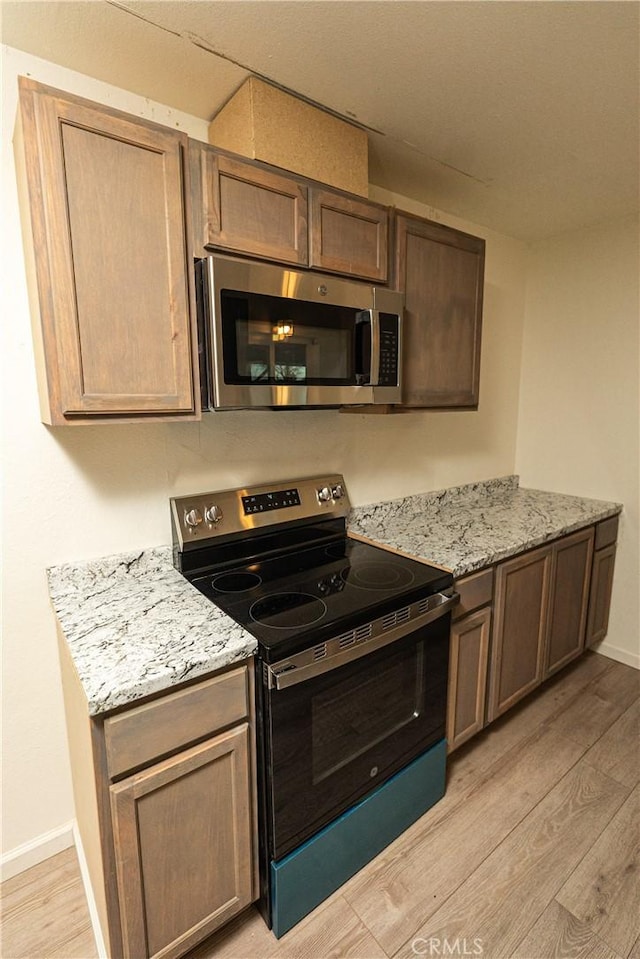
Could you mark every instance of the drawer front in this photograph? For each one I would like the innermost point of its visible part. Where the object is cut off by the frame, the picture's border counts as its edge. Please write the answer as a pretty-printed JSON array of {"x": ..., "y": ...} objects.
[
  {"x": 606, "y": 532},
  {"x": 475, "y": 591},
  {"x": 143, "y": 734}
]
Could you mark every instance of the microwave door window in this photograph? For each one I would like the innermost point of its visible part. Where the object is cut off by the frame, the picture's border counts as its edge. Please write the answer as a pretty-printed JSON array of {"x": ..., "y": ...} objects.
[{"x": 273, "y": 340}]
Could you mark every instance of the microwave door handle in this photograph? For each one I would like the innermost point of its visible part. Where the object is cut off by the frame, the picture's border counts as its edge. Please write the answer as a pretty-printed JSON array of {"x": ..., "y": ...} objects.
[{"x": 375, "y": 348}]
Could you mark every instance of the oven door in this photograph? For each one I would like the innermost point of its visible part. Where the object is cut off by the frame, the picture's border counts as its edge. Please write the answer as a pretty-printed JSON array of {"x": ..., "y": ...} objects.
[{"x": 333, "y": 738}]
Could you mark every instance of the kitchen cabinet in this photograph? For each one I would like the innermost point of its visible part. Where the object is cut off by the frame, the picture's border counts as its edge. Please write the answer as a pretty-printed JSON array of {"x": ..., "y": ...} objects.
[
  {"x": 469, "y": 653},
  {"x": 348, "y": 235},
  {"x": 601, "y": 580},
  {"x": 165, "y": 803},
  {"x": 243, "y": 206},
  {"x": 540, "y": 616},
  {"x": 182, "y": 838},
  {"x": 570, "y": 579},
  {"x": 106, "y": 260},
  {"x": 520, "y": 627},
  {"x": 250, "y": 210},
  {"x": 441, "y": 272}
]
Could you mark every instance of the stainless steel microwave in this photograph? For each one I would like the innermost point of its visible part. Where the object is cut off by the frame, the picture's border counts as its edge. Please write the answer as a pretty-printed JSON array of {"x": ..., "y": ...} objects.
[{"x": 274, "y": 337}]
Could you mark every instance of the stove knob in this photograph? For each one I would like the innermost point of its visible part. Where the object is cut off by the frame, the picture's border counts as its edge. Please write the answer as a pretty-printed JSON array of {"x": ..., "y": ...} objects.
[
  {"x": 213, "y": 514},
  {"x": 324, "y": 494},
  {"x": 193, "y": 518},
  {"x": 338, "y": 491}
]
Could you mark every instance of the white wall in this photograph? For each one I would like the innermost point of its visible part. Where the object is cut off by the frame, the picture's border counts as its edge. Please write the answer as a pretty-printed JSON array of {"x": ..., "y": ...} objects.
[
  {"x": 579, "y": 426},
  {"x": 71, "y": 494}
]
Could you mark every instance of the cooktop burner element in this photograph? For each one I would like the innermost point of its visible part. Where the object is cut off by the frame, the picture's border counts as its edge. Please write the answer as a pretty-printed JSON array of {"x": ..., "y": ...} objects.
[
  {"x": 237, "y": 582},
  {"x": 288, "y": 610},
  {"x": 385, "y": 575}
]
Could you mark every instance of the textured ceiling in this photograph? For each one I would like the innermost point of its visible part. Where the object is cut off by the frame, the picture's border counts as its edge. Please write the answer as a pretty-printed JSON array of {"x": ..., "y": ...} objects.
[{"x": 522, "y": 116}]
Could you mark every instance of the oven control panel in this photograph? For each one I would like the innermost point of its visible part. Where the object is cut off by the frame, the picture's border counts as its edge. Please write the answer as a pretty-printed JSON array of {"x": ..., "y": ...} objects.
[{"x": 202, "y": 518}]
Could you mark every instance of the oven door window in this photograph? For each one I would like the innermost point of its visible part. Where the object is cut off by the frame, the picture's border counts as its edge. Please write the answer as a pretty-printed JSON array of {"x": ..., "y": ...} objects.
[
  {"x": 338, "y": 736},
  {"x": 274, "y": 340}
]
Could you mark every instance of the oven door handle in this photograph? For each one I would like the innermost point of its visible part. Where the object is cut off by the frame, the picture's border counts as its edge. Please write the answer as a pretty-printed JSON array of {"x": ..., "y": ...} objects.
[{"x": 291, "y": 675}]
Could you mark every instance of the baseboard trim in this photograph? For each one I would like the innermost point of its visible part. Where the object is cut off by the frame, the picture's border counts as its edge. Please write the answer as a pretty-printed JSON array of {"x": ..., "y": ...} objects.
[
  {"x": 88, "y": 888},
  {"x": 37, "y": 850},
  {"x": 620, "y": 655}
]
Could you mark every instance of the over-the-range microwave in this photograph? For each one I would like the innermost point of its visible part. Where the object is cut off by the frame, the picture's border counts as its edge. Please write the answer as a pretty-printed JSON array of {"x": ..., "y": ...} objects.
[{"x": 276, "y": 338}]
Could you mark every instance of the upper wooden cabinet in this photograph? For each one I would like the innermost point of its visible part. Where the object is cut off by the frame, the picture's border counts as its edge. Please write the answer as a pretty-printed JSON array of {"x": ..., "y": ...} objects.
[
  {"x": 251, "y": 210},
  {"x": 109, "y": 255},
  {"x": 245, "y": 207},
  {"x": 441, "y": 272},
  {"x": 348, "y": 235}
]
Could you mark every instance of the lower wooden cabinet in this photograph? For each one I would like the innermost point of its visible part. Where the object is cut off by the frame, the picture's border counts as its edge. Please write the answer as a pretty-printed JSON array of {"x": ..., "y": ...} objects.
[
  {"x": 183, "y": 846},
  {"x": 165, "y": 804},
  {"x": 600, "y": 597},
  {"x": 548, "y": 604},
  {"x": 467, "y": 676},
  {"x": 570, "y": 578},
  {"x": 520, "y": 623}
]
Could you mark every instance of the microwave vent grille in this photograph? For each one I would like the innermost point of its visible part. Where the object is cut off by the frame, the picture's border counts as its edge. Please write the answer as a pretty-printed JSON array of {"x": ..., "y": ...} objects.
[{"x": 319, "y": 652}]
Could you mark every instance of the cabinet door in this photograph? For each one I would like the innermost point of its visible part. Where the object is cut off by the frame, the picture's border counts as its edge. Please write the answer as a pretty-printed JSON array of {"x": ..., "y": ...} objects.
[
  {"x": 183, "y": 845},
  {"x": 348, "y": 235},
  {"x": 570, "y": 576},
  {"x": 254, "y": 211},
  {"x": 441, "y": 272},
  {"x": 108, "y": 221},
  {"x": 520, "y": 624},
  {"x": 600, "y": 595},
  {"x": 467, "y": 677}
]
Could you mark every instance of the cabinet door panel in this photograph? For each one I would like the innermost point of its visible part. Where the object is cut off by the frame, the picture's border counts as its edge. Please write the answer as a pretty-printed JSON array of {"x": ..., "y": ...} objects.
[
  {"x": 107, "y": 202},
  {"x": 254, "y": 211},
  {"x": 571, "y": 572},
  {"x": 441, "y": 271},
  {"x": 467, "y": 677},
  {"x": 348, "y": 236},
  {"x": 182, "y": 833},
  {"x": 600, "y": 597},
  {"x": 522, "y": 590}
]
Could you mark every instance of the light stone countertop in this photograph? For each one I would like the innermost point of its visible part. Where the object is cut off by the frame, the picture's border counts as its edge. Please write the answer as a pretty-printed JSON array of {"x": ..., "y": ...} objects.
[
  {"x": 468, "y": 527},
  {"x": 135, "y": 626}
]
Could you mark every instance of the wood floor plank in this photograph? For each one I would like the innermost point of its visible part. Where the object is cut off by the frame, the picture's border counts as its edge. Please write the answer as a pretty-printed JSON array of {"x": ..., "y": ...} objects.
[
  {"x": 559, "y": 935},
  {"x": 331, "y": 930},
  {"x": 617, "y": 752},
  {"x": 407, "y": 883},
  {"x": 604, "y": 891},
  {"x": 590, "y": 715},
  {"x": 46, "y": 906},
  {"x": 501, "y": 899}
]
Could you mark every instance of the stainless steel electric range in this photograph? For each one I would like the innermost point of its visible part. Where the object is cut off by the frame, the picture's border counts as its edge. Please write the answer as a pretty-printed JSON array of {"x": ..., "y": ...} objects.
[{"x": 351, "y": 681}]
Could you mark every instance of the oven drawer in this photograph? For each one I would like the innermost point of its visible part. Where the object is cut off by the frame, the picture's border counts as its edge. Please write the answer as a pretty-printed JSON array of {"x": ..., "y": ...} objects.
[{"x": 143, "y": 734}]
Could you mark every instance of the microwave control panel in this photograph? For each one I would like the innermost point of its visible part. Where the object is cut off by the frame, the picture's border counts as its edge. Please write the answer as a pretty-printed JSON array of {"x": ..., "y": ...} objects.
[{"x": 388, "y": 372}]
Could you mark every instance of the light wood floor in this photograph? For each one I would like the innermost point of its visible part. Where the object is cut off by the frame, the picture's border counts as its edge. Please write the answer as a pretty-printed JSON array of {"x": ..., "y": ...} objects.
[{"x": 534, "y": 852}]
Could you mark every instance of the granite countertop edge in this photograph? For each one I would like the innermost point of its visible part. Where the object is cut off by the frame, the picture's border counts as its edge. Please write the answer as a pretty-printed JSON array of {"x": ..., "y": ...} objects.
[{"x": 135, "y": 627}]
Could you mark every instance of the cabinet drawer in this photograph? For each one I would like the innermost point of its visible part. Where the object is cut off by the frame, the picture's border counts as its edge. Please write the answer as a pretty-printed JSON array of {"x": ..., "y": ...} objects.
[
  {"x": 606, "y": 532},
  {"x": 143, "y": 734},
  {"x": 475, "y": 591}
]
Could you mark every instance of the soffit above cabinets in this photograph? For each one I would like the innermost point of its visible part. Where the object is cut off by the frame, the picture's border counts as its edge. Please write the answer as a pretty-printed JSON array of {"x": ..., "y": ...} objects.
[{"x": 520, "y": 116}]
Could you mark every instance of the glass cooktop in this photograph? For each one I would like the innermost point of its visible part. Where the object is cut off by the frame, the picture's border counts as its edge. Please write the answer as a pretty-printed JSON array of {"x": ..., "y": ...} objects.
[{"x": 310, "y": 595}]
